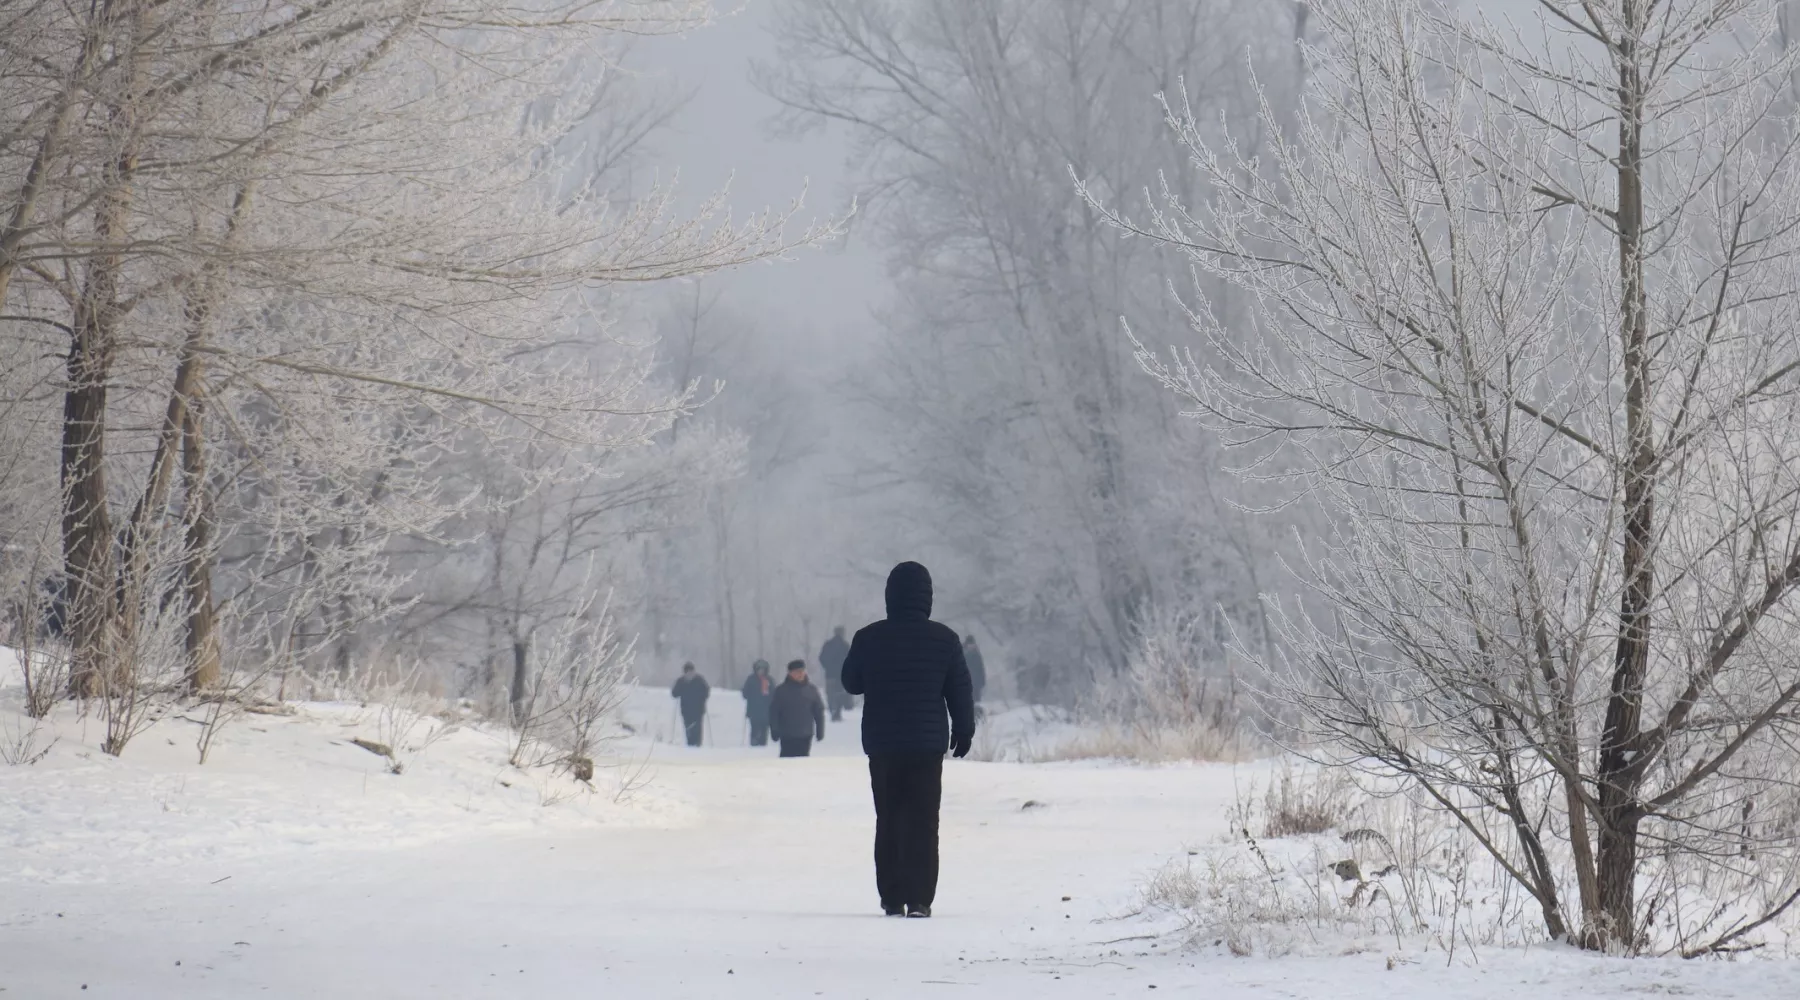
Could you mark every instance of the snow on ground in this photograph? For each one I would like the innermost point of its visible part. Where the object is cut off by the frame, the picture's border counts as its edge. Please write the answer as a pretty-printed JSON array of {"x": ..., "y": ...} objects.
[
  {"x": 274, "y": 785},
  {"x": 1023, "y": 733},
  {"x": 272, "y": 872}
]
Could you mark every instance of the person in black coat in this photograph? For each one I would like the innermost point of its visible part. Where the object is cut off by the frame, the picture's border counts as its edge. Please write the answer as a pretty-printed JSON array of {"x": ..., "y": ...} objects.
[
  {"x": 796, "y": 713},
  {"x": 757, "y": 692},
  {"x": 691, "y": 689},
  {"x": 977, "y": 669},
  {"x": 917, "y": 700},
  {"x": 831, "y": 660}
]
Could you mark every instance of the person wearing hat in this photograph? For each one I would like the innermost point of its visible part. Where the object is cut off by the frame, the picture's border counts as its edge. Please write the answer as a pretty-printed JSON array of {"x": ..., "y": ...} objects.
[
  {"x": 758, "y": 691},
  {"x": 796, "y": 713},
  {"x": 691, "y": 690},
  {"x": 918, "y": 701}
]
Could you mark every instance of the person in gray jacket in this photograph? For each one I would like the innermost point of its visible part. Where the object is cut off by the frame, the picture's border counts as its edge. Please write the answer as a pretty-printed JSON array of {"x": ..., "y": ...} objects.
[{"x": 796, "y": 713}]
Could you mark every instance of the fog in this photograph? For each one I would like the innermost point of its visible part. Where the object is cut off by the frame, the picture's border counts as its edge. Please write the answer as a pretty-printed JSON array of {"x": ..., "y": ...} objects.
[
  {"x": 787, "y": 340},
  {"x": 865, "y": 455},
  {"x": 451, "y": 412}
]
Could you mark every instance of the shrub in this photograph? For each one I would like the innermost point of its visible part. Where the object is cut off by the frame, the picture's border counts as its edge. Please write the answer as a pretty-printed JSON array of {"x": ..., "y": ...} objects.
[{"x": 1304, "y": 804}]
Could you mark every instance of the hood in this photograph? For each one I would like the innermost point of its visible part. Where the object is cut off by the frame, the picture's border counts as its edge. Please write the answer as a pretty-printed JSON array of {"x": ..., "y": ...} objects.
[{"x": 909, "y": 592}]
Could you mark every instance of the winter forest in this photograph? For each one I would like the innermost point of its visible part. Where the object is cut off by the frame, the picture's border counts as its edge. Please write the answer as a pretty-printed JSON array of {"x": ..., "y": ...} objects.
[{"x": 1355, "y": 445}]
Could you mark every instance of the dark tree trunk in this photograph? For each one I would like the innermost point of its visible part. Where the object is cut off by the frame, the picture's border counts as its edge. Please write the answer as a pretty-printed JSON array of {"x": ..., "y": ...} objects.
[
  {"x": 98, "y": 650},
  {"x": 1620, "y": 773},
  {"x": 87, "y": 523},
  {"x": 89, "y": 559},
  {"x": 521, "y": 677}
]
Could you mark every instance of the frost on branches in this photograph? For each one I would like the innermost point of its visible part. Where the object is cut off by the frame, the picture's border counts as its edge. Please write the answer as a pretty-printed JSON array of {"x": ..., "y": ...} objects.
[
  {"x": 1526, "y": 325},
  {"x": 1002, "y": 396},
  {"x": 269, "y": 273}
]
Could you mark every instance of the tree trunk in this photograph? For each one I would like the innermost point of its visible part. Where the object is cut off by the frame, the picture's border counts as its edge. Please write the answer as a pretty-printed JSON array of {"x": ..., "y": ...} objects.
[
  {"x": 152, "y": 507},
  {"x": 521, "y": 679},
  {"x": 183, "y": 434},
  {"x": 87, "y": 522},
  {"x": 97, "y": 645},
  {"x": 1621, "y": 767},
  {"x": 202, "y": 615},
  {"x": 1581, "y": 840},
  {"x": 1537, "y": 860},
  {"x": 89, "y": 559}
]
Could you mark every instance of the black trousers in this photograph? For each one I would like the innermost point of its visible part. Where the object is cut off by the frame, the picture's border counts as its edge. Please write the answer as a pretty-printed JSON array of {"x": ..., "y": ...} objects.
[
  {"x": 908, "y": 789},
  {"x": 759, "y": 731},
  {"x": 696, "y": 727},
  {"x": 796, "y": 746}
]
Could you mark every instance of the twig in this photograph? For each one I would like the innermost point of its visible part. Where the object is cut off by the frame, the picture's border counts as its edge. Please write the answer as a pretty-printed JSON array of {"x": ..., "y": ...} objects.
[{"x": 1718, "y": 945}]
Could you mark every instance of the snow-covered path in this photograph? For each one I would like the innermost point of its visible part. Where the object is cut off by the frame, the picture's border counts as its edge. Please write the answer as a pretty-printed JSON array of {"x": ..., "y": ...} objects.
[
  {"x": 767, "y": 892},
  {"x": 763, "y": 892}
]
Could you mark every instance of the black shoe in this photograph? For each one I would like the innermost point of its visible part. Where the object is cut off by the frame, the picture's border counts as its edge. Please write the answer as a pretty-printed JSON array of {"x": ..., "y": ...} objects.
[
  {"x": 893, "y": 911},
  {"x": 918, "y": 911}
]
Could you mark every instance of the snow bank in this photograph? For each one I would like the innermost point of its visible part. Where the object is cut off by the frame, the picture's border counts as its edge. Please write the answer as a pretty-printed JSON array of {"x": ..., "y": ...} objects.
[
  {"x": 276, "y": 784},
  {"x": 1312, "y": 864}
]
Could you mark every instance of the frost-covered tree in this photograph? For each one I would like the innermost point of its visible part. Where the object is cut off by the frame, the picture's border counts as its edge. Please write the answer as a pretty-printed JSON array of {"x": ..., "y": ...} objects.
[
  {"x": 1525, "y": 320},
  {"x": 1067, "y": 508},
  {"x": 278, "y": 261},
  {"x": 748, "y": 579},
  {"x": 547, "y": 526}
]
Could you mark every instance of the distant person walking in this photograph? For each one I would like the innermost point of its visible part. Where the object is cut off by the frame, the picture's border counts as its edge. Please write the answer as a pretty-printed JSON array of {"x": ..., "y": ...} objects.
[
  {"x": 831, "y": 661},
  {"x": 758, "y": 690},
  {"x": 691, "y": 690},
  {"x": 917, "y": 700},
  {"x": 977, "y": 670},
  {"x": 797, "y": 713}
]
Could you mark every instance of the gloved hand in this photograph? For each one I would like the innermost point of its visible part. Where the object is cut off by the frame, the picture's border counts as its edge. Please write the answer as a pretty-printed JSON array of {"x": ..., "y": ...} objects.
[
  {"x": 819, "y": 738},
  {"x": 960, "y": 743}
]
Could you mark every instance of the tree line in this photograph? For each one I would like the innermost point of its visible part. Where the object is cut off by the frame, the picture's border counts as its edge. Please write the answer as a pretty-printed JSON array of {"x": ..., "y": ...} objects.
[{"x": 295, "y": 296}]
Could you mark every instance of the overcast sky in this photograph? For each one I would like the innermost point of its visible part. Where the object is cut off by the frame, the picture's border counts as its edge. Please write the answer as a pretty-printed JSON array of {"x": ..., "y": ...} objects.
[{"x": 723, "y": 136}]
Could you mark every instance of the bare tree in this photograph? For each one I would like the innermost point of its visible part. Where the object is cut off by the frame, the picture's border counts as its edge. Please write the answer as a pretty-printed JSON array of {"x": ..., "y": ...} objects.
[
  {"x": 1062, "y": 503},
  {"x": 327, "y": 242},
  {"x": 1526, "y": 325},
  {"x": 547, "y": 524},
  {"x": 746, "y": 561},
  {"x": 574, "y": 685}
]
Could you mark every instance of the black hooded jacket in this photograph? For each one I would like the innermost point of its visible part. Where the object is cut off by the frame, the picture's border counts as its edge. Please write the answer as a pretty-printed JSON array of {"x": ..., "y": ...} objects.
[
  {"x": 917, "y": 696},
  {"x": 692, "y": 689},
  {"x": 831, "y": 660}
]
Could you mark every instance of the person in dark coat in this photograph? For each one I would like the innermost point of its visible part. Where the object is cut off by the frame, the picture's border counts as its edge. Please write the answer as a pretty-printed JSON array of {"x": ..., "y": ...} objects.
[
  {"x": 977, "y": 669},
  {"x": 757, "y": 692},
  {"x": 831, "y": 660},
  {"x": 917, "y": 700},
  {"x": 691, "y": 689},
  {"x": 796, "y": 713}
]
